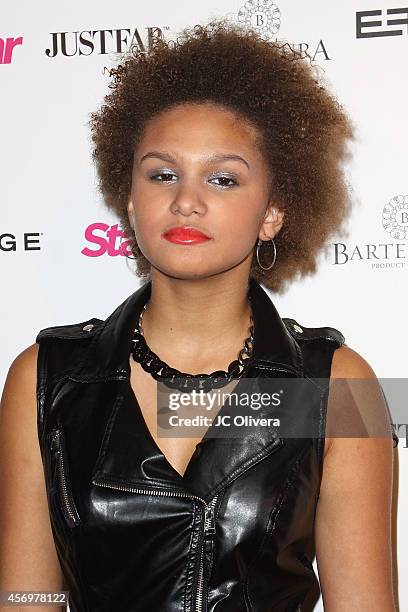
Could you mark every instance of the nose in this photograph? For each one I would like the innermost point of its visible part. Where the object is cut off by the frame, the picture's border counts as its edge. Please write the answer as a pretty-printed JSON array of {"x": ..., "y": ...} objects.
[{"x": 188, "y": 200}]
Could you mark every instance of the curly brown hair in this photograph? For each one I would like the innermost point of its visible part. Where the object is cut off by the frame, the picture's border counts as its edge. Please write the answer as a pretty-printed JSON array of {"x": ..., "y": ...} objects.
[{"x": 304, "y": 131}]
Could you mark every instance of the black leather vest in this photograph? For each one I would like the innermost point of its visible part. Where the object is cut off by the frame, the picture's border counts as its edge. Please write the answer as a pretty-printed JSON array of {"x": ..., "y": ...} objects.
[{"x": 234, "y": 533}]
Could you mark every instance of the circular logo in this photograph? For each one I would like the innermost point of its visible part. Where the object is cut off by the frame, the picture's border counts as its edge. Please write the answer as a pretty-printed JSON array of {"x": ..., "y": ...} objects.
[
  {"x": 395, "y": 217},
  {"x": 262, "y": 15}
]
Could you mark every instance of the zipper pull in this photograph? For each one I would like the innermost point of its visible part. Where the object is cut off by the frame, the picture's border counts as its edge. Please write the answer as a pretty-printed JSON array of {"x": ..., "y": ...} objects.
[
  {"x": 209, "y": 521},
  {"x": 55, "y": 439}
]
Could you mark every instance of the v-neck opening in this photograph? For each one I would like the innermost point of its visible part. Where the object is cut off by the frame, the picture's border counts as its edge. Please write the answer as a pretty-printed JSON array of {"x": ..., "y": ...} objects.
[
  {"x": 151, "y": 439},
  {"x": 205, "y": 438}
]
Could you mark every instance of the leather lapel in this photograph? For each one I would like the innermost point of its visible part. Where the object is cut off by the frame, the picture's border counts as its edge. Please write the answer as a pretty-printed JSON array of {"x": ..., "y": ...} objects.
[
  {"x": 129, "y": 455},
  {"x": 107, "y": 355}
]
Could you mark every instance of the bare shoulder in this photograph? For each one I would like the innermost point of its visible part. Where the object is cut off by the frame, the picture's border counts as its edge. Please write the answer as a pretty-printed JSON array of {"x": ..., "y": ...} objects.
[
  {"x": 23, "y": 368},
  {"x": 348, "y": 363},
  {"x": 18, "y": 399}
]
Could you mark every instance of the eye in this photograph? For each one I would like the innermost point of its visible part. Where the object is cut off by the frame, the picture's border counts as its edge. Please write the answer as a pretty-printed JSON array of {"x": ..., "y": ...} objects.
[
  {"x": 225, "y": 181},
  {"x": 166, "y": 173},
  {"x": 167, "y": 176}
]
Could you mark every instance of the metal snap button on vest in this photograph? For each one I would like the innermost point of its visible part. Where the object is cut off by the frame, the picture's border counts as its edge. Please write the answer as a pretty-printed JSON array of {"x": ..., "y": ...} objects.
[
  {"x": 88, "y": 328},
  {"x": 298, "y": 329}
]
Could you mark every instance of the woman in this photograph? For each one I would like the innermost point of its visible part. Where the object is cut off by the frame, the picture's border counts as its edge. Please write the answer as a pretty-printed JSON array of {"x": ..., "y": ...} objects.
[{"x": 222, "y": 157}]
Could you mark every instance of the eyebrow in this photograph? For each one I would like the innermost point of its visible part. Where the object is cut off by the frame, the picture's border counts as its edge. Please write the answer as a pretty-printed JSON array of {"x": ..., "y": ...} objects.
[{"x": 214, "y": 158}]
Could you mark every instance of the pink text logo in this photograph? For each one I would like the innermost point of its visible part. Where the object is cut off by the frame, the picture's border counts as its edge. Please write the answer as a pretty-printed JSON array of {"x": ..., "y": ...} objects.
[
  {"x": 7, "y": 47},
  {"x": 107, "y": 239}
]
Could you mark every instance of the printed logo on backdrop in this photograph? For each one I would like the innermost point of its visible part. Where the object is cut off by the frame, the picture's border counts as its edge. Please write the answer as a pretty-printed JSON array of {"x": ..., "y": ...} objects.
[
  {"x": 104, "y": 239},
  {"x": 388, "y": 24},
  {"x": 395, "y": 217},
  {"x": 7, "y": 47},
  {"x": 28, "y": 241},
  {"x": 381, "y": 255},
  {"x": 265, "y": 17},
  {"x": 101, "y": 42}
]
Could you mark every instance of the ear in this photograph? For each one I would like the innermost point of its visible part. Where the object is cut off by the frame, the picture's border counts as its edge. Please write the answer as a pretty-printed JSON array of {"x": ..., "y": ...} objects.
[
  {"x": 272, "y": 223},
  {"x": 131, "y": 212}
]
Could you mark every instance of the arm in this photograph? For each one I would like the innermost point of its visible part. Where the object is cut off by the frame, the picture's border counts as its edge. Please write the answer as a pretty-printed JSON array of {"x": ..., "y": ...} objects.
[
  {"x": 28, "y": 559},
  {"x": 353, "y": 517}
]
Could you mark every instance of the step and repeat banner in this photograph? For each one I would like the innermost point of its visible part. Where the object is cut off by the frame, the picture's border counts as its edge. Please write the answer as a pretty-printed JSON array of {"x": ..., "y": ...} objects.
[{"x": 60, "y": 257}]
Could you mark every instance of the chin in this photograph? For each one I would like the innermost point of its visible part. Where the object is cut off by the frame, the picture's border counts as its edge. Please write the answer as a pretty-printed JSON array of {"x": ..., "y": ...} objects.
[
  {"x": 189, "y": 271},
  {"x": 182, "y": 273}
]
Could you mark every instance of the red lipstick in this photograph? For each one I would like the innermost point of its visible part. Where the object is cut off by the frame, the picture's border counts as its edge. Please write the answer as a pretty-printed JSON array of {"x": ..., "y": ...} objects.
[{"x": 185, "y": 235}]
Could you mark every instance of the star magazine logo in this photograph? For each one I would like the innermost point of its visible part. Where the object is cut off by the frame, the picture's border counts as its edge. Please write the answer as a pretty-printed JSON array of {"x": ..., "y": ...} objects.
[
  {"x": 7, "y": 47},
  {"x": 106, "y": 239}
]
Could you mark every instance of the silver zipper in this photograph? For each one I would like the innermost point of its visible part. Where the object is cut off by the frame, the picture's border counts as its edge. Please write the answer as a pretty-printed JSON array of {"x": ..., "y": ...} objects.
[
  {"x": 68, "y": 505},
  {"x": 209, "y": 529},
  {"x": 208, "y": 524}
]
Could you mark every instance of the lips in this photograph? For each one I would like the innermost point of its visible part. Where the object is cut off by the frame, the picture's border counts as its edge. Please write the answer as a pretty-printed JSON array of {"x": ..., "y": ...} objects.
[{"x": 185, "y": 235}]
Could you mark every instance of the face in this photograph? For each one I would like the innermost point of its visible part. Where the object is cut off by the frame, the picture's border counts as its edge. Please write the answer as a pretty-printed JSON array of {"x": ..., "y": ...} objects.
[{"x": 200, "y": 192}]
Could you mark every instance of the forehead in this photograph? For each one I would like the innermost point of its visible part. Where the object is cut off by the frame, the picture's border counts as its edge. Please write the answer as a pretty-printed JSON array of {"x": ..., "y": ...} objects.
[{"x": 200, "y": 125}]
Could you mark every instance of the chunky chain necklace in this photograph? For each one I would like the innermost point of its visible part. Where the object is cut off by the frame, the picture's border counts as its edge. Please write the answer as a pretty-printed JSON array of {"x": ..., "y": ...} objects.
[{"x": 175, "y": 379}]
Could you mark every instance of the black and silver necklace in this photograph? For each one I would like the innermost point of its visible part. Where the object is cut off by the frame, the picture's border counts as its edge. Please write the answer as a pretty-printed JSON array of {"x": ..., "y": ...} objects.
[{"x": 174, "y": 379}]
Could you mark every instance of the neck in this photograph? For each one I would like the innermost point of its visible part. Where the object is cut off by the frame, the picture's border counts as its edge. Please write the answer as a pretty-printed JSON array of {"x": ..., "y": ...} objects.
[{"x": 198, "y": 325}]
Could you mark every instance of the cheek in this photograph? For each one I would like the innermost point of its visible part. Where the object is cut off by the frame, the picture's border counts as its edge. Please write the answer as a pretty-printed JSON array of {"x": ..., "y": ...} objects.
[
  {"x": 148, "y": 210},
  {"x": 243, "y": 218}
]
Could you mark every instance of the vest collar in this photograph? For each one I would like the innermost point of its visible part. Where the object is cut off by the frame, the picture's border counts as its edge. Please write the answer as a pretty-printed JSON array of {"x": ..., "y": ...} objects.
[{"x": 107, "y": 355}]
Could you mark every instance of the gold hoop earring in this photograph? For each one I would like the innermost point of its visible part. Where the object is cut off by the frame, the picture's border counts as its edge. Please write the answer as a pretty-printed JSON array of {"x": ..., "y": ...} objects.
[{"x": 258, "y": 246}]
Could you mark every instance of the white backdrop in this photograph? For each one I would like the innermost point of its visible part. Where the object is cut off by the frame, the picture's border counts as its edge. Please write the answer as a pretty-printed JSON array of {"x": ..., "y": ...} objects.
[{"x": 48, "y": 186}]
